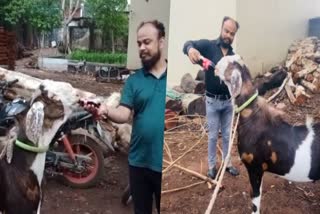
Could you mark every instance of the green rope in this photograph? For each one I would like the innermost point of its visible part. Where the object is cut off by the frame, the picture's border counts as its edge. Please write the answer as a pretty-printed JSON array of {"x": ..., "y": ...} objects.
[
  {"x": 244, "y": 105},
  {"x": 31, "y": 148}
]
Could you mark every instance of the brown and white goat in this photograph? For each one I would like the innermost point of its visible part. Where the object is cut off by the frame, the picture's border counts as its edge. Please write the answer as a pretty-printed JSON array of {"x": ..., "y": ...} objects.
[
  {"x": 265, "y": 141},
  {"x": 21, "y": 175}
]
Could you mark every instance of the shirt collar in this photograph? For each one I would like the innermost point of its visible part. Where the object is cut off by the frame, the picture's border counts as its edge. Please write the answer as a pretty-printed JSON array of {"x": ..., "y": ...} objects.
[{"x": 146, "y": 73}]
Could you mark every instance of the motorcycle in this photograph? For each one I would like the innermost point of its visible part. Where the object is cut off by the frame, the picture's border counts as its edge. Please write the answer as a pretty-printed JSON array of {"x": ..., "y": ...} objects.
[{"x": 76, "y": 153}]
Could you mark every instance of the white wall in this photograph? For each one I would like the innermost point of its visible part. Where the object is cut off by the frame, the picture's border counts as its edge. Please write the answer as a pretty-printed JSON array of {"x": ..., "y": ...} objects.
[
  {"x": 142, "y": 10},
  {"x": 191, "y": 20},
  {"x": 269, "y": 27}
]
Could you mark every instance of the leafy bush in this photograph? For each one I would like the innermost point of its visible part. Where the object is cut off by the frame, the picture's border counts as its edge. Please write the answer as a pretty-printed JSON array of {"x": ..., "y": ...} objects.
[{"x": 101, "y": 57}]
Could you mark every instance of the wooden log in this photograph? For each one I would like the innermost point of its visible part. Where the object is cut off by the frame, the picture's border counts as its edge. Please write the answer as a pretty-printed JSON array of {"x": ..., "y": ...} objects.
[
  {"x": 309, "y": 77},
  {"x": 200, "y": 87},
  {"x": 200, "y": 75},
  {"x": 171, "y": 120},
  {"x": 271, "y": 81},
  {"x": 316, "y": 82},
  {"x": 317, "y": 56},
  {"x": 295, "y": 56},
  {"x": 304, "y": 72},
  {"x": 174, "y": 105},
  {"x": 301, "y": 95},
  {"x": 313, "y": 88},
  {"x": 188, "y": 83},
  {"x": 193, "y": 104},
  {"x": 317, "y": 73},
  {"x": 178, "y": 89},
  {"x": 290, "y": 94}
]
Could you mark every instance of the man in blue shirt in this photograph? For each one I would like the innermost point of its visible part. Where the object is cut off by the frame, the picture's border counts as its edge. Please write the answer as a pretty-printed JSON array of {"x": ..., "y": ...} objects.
[
  {"x": 218, "y": 104},
  {"x": 144, "y": 94}
]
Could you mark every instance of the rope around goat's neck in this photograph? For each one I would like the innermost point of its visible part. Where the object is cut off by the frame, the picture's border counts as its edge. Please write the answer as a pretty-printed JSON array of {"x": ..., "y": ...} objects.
[{"x": 225, "y": 163}]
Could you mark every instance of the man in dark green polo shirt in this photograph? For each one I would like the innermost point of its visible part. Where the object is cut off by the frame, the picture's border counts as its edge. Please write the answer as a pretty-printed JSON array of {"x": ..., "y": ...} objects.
[{"x": 144, "y": 93}]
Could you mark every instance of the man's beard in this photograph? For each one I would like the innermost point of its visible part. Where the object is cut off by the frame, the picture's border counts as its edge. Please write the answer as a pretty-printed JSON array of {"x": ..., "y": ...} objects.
[
  {"x": 225, "y": 44},
  {"x": 148, "y": 64}
]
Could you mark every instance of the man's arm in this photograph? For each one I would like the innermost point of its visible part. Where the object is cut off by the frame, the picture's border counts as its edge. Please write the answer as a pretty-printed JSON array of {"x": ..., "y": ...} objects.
[
  {"x": 195, "y": 49},
  {"x": 121, "y": 114}
]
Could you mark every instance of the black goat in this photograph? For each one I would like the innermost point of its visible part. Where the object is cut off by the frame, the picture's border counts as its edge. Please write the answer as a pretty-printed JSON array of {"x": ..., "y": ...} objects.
[{"x": 265, "y": 141}]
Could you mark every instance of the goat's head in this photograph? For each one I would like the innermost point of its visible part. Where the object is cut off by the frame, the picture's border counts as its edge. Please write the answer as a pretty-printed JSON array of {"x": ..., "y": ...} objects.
[
  {"x": 51, "y": 105},
  {"x": 234, "y": 73}
]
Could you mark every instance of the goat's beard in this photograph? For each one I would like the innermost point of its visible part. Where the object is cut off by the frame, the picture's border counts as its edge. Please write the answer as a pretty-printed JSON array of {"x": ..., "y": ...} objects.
[{"x": 148, "y": 64}]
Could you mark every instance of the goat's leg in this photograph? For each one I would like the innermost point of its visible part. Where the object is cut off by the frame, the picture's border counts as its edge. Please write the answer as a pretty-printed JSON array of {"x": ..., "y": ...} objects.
[{"x": 255, "y": 176}]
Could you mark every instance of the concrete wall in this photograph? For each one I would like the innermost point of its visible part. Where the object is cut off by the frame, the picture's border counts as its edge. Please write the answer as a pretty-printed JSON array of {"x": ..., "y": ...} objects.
[
  {"x": 191, "y": 20},
  {"x": 142, "y": 10},
  {"x": 269, "y": 27}
]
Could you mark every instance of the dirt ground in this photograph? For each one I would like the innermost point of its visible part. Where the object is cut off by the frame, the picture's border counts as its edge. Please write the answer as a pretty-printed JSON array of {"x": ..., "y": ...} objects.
[{"x": 279, "y": 196}]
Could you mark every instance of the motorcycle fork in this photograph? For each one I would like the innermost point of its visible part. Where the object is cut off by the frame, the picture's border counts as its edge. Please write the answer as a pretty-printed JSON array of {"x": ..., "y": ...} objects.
[{"x": 68, "y": 147}]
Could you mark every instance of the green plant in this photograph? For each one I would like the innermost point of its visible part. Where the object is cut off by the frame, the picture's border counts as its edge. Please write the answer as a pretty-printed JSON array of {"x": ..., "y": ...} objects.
[
  {"x": 43, "y": 15},
  {"x": 101, "y": 57}
]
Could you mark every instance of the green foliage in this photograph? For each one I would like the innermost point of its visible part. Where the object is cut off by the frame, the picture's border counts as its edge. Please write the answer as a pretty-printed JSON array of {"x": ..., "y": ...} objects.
[
  {"x": 109, "y": 15},
  {"x": 101, "y": 57},
  {"x": 43, "y": 15}
]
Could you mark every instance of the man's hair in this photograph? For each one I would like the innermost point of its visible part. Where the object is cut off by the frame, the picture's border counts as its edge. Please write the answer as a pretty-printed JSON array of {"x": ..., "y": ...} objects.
[
  {"x": 158, "y": 25},
  {"x": 226, "y": 18}
]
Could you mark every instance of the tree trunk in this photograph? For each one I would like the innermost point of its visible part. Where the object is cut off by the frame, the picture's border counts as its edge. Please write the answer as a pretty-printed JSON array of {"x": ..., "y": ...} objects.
[
  {"x": 67, "y": 20},
  {"x": 42, "y": 40},
  {"x": 112, "y": 41},
  {"x": 29, "y": 42}
]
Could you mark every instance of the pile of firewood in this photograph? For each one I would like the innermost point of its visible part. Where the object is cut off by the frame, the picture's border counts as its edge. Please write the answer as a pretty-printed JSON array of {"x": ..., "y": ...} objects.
[
  {"x": 187, "y": 98},
  {"x": 303, "y": 64},
  {"x": 7, "y": 48}
]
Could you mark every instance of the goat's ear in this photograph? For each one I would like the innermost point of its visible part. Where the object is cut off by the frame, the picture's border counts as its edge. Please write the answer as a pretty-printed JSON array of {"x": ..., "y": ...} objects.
[{"x": 235, "y": 83}]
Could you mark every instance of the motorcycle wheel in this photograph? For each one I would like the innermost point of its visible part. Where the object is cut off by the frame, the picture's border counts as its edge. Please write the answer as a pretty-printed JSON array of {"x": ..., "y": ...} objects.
[{"x": 85, "y": 145}]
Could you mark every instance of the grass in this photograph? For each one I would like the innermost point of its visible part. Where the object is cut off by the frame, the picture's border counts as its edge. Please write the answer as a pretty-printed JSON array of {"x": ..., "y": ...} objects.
[{"x": 101, "y": 57}]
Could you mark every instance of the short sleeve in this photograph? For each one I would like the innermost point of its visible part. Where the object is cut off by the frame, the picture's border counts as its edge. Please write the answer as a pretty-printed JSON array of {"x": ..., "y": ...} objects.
[{"x": 127, "y": 95}]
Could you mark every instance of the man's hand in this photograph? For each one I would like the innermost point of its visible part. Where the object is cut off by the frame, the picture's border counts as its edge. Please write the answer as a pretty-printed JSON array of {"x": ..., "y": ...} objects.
[
  {"x": 103, "y": 111},
  {"x": 120, "y": 114},
  {"x": 194, "y": 55},
  {"x": 91, "y": 107}
]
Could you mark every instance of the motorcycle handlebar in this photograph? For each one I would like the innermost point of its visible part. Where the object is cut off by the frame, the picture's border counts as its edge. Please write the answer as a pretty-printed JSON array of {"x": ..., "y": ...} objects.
[
  {"x": 7, "y": 84},
  {"x": 10, "y": 83}
]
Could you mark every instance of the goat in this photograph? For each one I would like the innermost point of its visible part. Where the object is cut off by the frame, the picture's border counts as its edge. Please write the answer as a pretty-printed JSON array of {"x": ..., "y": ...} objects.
[
  {"x": 266, "y": 143},
  {"x": 21, "y": 174},
  {"x": 123, "y": 131}
]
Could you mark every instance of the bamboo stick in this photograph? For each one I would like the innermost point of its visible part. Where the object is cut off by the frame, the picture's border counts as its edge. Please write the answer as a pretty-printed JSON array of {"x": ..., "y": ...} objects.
[
  {"x": 189, "y": 150},
  {"x": 196, "y": 174},
  {"x": 182, "y": 188}
]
